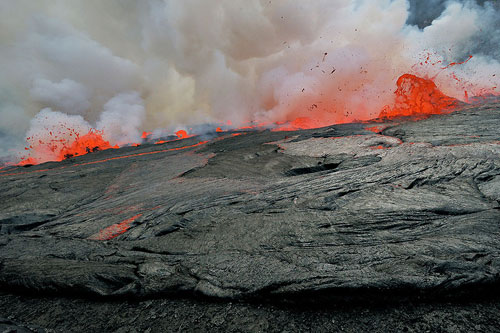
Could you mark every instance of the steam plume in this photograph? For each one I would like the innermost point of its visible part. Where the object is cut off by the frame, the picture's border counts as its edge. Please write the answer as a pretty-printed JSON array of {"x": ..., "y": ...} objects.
[{"x": 125, "y": 66}]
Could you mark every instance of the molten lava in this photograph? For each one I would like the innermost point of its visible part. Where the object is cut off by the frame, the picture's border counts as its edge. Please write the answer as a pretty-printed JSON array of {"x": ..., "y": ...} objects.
[
  {"x": 65, "y": 144},
  {"x": 7, "y": 173},
  {"x": 90, "y": 142},
  {"x": 115, "y": 230},
  {"x": 182, "y": 134},
  {"x": 416, "y": 96},
  {"x": 457, "y": 63}
]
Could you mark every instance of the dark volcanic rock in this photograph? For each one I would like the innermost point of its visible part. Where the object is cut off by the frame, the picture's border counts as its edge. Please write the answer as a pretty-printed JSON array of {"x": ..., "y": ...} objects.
[{"x": 329, "y": 213}]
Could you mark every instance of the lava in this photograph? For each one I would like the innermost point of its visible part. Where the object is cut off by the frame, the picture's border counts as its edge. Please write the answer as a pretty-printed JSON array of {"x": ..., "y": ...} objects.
[
  {"x": 107, "y": 159},
  {"x": 182, "y": 134},
  {"x": 115, "y": 230},
  {"x": 62, "y": 145},
  {"x": 69, "y": 143},
  {"x": 416, "y": 96},
  {"x": 297, "y": 124},
  {"x": 90, "y": 142},
  {"x": 376, "y": 129},
  {"x": 457, "y": 63}
]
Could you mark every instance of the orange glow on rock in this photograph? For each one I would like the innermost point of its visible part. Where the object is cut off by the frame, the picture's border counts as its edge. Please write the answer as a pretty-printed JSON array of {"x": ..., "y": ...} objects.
[
  {"x": 375, "y": 129},
  {"x": 114, "y": 230},
  {"x": 146, "y": 134},
  {"x": 378, "y": 147}
]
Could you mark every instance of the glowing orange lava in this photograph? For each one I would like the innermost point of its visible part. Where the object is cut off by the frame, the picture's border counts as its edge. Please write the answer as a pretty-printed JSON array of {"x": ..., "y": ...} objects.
[
  {"x": 114, "y": 230},
  {"x": 145, "y": 135},
  {"x": 69, "y": 143},
  {"x": 66, "y": 143},
  {"x": 182, "y": 134},
  {"x": 297, "y": 124},
  {"x": 90, "y": 142},
  {"x": 375, "y": 129},
  {"x": 457, "y": 63},
  {"x": 106, "y": 160},
  {"x": 416, "y": 96}
]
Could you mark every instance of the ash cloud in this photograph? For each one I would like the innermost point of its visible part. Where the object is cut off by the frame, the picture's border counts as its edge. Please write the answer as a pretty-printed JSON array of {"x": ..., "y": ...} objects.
[{"x": 128, "y": 66}]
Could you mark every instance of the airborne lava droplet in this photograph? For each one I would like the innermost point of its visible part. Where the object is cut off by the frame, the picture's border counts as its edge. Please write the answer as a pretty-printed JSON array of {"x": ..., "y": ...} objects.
[
  {"x": 90, "y": 142},
  {"x": 59, "y": 149}
]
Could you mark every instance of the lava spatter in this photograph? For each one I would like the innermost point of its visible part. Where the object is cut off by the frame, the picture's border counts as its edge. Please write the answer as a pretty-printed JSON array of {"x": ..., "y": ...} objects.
[
  {"x": 416, "y": 96},
  {"x": 182, "y": 134},
  {"x": 90, "y": 142},
  {"x": 64, "y": 144}
]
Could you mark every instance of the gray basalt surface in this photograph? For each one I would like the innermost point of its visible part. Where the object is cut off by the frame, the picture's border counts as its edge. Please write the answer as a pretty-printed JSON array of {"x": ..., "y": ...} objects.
[{"x": 330, "y": 212}]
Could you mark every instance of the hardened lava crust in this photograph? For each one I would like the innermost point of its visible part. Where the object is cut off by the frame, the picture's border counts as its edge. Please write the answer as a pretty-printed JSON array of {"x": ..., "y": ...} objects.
[
  {"x": 383, "y": 210},
  {"x": 398, "y": 205}
]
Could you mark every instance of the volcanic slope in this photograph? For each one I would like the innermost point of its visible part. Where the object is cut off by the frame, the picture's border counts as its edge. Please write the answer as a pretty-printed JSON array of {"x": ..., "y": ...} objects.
[{"x": 409, "y": 207}]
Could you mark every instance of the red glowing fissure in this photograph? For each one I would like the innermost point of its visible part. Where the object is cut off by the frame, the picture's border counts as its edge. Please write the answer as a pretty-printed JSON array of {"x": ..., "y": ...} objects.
[{"x": 114, "y": 230}]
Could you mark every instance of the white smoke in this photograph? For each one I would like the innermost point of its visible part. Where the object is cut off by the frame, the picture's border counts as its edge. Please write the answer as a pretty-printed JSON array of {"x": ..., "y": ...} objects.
[
  {"x": 68, "y": 96},
  {"x": 127, "y": 66},
  {"x": 121, "y": 118},
  {"x": 48, "y": 129}
]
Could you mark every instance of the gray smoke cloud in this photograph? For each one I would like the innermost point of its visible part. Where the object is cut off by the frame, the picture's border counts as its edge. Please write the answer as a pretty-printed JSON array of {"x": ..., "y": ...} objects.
[
  {"x": 125, "y": 66},
  {"x": 487, "y": 42}
]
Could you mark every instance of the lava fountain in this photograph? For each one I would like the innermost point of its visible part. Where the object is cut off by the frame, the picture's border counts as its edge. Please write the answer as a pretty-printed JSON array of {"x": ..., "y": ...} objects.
[
  {"x": 415, "y": 97},
  {"x": 418, "y": 97}
]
